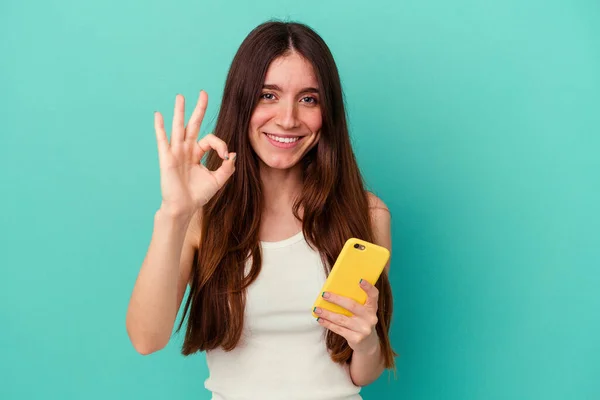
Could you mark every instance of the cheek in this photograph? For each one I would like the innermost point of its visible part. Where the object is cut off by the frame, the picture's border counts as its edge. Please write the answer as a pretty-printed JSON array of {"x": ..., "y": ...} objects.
[
  {"x": 314, "y": 121},
  {"x": 260, "y": 117}
]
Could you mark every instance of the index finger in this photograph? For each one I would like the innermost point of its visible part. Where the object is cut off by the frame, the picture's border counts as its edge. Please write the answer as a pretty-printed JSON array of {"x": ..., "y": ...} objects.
[
  {"x": 209, "y": 142},
  {"x": 372, "y": 293}
]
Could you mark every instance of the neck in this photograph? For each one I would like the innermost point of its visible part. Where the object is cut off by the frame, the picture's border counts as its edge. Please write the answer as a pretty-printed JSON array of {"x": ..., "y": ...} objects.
[{"x": 280, "y": 188}]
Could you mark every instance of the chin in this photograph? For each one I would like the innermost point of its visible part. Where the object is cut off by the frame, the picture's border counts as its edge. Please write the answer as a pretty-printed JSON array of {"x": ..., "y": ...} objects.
[{"x": 275, "y": 161}]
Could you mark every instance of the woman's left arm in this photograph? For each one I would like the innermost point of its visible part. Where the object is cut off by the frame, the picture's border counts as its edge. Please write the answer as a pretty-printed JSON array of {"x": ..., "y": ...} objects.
[{"x": 359, "y": 330}]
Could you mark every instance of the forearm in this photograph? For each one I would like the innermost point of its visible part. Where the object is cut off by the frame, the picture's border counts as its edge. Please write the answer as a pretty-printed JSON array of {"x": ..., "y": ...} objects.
[
  {"x": 152, "y": 308},
  {"x": 366, "y": 367}
]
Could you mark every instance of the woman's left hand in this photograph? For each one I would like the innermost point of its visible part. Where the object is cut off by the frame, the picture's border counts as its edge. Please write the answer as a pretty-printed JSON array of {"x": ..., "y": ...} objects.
[{"x": 359, "y": 329}]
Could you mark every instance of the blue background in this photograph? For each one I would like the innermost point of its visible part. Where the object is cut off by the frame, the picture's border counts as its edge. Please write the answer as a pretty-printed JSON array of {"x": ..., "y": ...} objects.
[{"x": 477, "y": 122}]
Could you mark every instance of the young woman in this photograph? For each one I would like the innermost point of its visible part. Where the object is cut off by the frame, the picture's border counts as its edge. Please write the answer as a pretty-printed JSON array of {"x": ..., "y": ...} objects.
[{"x": 255, "y": 232}]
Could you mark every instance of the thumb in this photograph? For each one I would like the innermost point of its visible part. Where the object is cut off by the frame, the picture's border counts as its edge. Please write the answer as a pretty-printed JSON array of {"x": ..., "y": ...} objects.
[{"x": 227, "y": 168}]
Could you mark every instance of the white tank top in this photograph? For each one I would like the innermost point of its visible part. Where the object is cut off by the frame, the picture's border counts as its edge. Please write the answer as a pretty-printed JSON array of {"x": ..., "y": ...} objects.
[{"x": 282, "y": 353}]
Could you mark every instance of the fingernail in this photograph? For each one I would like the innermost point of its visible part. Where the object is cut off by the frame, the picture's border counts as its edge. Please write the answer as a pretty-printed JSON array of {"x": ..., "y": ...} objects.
[
  {"x": 226, "y": 156},
  {"x": 317, "y": 311},
  {"x": 318, "y": 319},
  {"x": 234, "y": 157},
  {"x": 325, "y": 295}
]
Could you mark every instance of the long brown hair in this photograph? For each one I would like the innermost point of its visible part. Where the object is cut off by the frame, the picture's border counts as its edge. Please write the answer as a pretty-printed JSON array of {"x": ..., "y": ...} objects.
[{"x": 334, "y": 201}]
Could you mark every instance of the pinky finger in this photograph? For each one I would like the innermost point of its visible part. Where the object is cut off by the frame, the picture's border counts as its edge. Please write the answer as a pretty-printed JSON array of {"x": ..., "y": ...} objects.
[
  {"x": 161, "y": 135},
  {"x": 340, "y": 330}
]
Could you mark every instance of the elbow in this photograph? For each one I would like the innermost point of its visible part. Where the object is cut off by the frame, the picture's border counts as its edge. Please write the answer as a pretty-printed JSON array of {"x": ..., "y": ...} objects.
[
  {"x": 144, "y": 343},
  {"x": 361, "y": 382},
  {"x": 363, "y": 377},
  {"x": 145, "y": 349},
  {"x": 144, "y": 346}
]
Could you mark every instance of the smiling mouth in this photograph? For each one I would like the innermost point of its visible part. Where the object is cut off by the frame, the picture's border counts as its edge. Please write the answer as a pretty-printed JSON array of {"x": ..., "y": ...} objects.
[{"x": 284, "y": 139}]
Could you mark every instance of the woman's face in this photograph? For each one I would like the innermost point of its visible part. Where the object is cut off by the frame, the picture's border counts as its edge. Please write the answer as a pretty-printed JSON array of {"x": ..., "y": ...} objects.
[{"x": 287, "y": 121}]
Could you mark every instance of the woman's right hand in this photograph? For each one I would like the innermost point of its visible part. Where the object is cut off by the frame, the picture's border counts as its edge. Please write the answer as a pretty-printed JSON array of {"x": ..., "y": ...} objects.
[{"x": 186, "y": 184}]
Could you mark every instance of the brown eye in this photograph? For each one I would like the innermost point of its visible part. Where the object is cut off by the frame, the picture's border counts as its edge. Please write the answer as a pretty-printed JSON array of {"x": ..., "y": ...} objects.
[
  {"x": 310, "y": 100},
  {"x": 267, "y": 96}
]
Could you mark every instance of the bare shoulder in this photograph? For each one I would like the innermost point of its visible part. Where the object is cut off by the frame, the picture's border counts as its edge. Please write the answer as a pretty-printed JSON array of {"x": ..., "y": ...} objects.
[
  {"x": 381, "y": 222},
  {"x": 379, "y": 211},
  {"x": 376, "y": 203}
]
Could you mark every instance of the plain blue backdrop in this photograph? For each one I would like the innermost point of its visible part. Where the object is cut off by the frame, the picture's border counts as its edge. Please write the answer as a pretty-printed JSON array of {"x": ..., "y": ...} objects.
[{"x": 477, "y": 122}]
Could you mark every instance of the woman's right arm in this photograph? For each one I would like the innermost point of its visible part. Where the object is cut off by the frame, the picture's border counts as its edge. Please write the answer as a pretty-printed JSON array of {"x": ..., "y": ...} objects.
[
  {"x": 186, "y": 186},
  {"x": 162, "y": 281}
]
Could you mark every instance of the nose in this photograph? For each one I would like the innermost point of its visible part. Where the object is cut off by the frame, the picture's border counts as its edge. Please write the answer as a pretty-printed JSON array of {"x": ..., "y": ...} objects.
[{"x": 287, "y": 117}]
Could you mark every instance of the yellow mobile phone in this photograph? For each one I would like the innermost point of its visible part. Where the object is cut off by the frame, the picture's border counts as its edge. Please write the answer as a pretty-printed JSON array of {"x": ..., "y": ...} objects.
[{"x": 358, "y": 260}]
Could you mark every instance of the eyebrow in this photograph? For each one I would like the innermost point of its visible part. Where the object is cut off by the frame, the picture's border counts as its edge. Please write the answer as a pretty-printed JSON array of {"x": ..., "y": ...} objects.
[{"x": 305, "y": 90}]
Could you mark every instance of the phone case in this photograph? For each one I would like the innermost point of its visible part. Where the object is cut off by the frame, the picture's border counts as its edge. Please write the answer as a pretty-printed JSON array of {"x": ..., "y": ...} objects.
[{"x": 352, "y": 265}]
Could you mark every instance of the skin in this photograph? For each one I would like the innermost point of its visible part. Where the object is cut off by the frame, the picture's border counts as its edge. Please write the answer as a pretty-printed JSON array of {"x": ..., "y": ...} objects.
[{"x": 290, "y": 107}]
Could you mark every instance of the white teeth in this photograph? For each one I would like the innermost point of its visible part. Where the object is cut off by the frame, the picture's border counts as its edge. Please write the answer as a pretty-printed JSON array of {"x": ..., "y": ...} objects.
[{"x": 283, "y": 140}]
